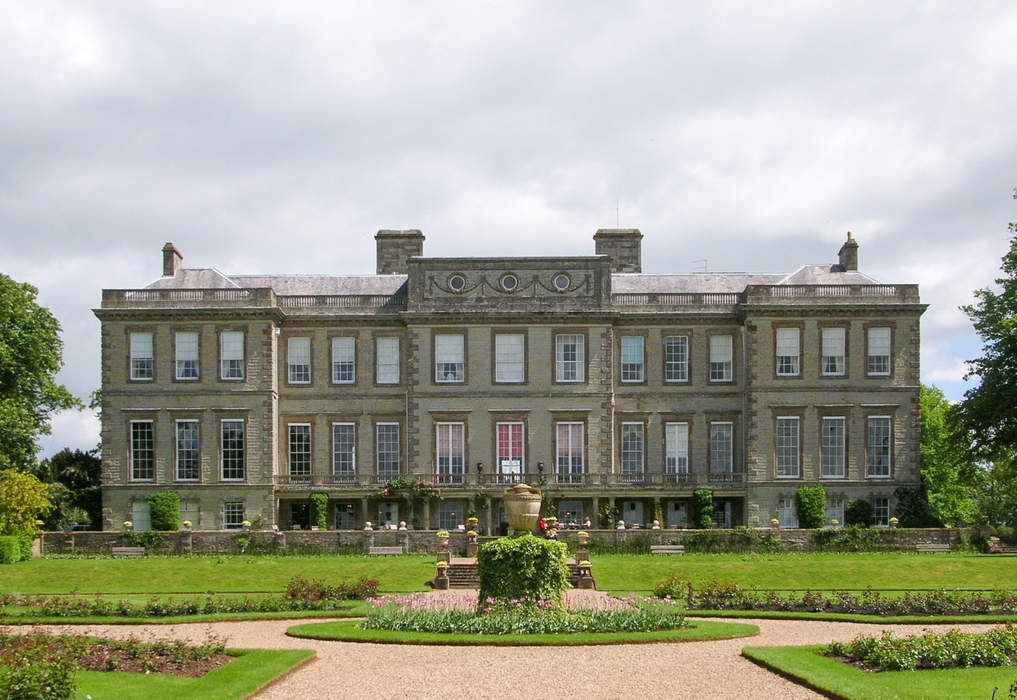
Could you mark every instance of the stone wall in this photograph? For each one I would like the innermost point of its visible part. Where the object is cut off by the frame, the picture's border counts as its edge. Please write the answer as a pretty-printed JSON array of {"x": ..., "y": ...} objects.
[{"x": 425, "y": 541}]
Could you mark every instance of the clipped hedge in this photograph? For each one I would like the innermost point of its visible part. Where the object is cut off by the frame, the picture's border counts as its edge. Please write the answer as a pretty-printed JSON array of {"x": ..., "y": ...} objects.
[
  {"x": 165, "y": 509},
  {"x": 811, "y": 503},
  {"x": 319, "y": 511},
  {"x": 523, "y": 568},
  {"x": 10, "y": 549},
  {"x": 702, "y": 509}
]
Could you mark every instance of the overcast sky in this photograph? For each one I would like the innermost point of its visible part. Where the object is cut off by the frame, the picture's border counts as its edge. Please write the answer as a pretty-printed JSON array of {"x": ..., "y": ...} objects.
[{"x": 279, "y": 137}]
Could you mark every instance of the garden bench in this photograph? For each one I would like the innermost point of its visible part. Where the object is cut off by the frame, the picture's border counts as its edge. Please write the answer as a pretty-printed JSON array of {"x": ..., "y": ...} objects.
[
  {"x": 932, "y": 548},
  {"x": 128, "y": 551},
  {"x": 385, "y": 551},
  {"x": 1006, "y": 549},
  {"x": 667, "y": 549}
]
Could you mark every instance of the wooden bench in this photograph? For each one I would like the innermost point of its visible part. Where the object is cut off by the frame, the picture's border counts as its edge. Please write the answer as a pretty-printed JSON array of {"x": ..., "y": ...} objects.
[
  {"x": 385, "y": 551},
  {"x": 128, "y": 551},
  {"x": 932, "y": 548},
  {"x": 1005, "y": 549},
  {"x": 667, "y": 549}
]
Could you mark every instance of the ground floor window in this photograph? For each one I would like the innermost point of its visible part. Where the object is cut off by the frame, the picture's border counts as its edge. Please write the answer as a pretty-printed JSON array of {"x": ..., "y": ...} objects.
[
  {"x": 189, "y": 512},
  {"x": 344, "y": 517},
  {"x": 141, "y": 516},
  {"x": 450, "y": 515},
  {"x": 834, "y": 512},
  {"x": 388, "y": 515},
  {"x": 881, "y": 512},
  {"x": 722, "y": 514},
  {"x": 787, "y": 516},
  {"x": 233, "y": 515},
  {"x": 632, "y": 513},
  {"x": 677, "y": 515},
  {"x": 570, "y": 513}
]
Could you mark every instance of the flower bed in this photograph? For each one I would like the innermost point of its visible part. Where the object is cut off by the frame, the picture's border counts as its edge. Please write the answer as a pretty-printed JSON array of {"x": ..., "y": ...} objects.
[
  {"x": 456, "y": 614},
  {"x": 951, "y": 649},
  {"x": 730, "y": 596}
]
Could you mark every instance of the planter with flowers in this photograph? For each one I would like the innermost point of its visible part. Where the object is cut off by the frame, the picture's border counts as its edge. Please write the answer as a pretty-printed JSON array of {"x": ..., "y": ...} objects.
[
  {"x": 443, "y": 539},
  {"x": 583, "y": 538}
]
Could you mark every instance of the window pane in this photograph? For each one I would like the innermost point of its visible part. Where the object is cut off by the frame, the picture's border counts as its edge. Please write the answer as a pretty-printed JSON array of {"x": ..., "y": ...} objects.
[
  {"x": 832, "y": 448},
  {"x": 881, "y": 512},
  {"x": 142, "y": 451},
  {"x": 569, "y": 352},
  {"x": 450, "y": 452},
  {"x": 387, "y": 449},
  {"x": 508, "y": 357},
  {"x": 632, "y": 449},
  {"x": 344, "y": 450},
  {"x": 231, "y": 351},
  {"x": 141, "y": 356},
  {"x": 787, "y": 447},
  {"x": 343, "y": 358},
  {"x": 787, "y": 351},
  {"x": 300, "y": 450},
  {"x": 787, "y": 515},
  {"x": 233, "y": 515},
  {"x": 569, "y": 452},
  {"x": 721, "y": 455},
  {"x": 186, "y": 345},
  {"x": 720, "y": 358},
  {"x": 878, "y": 361},
  {"x": 632, "y": 358},
  {"x": 510, "y": 448},
  {"x": 387, "y": 354},
  {"x": 233, "y": 466},
  {"x": 833, "y": 350},
  {"x": 676, "y": 359},
  {"x": 449, "y": 358},
  {"x": 835, "y": 512},
  {"x": 298, "y": 360},
  {"x": 676, "y": 448},
  {"x": 188, "y": 468},
  {"x": 879, "y": 446}
]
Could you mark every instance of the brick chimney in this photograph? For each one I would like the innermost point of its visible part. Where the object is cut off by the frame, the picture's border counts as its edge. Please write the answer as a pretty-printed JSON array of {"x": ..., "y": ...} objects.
[
  {"x": 623, "y": 246},
  {"x": 395, "y": 248},
  {"x": 171, "y": 259},
  {"x": 849, "y": 254}
]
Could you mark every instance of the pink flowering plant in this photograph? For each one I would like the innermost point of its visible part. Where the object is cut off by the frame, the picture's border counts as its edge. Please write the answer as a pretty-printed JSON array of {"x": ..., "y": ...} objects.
[
  {"x": 415, "y": 489},
  {"x": 456, "y": 612}
]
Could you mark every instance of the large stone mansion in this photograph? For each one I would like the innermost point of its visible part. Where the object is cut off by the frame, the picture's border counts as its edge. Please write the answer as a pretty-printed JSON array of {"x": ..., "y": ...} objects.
[{"x": 245, "y": 394}]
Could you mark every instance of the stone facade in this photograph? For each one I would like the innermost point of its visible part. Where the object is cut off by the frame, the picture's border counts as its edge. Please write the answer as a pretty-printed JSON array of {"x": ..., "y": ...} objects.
[{"x": 246, "y": 394}]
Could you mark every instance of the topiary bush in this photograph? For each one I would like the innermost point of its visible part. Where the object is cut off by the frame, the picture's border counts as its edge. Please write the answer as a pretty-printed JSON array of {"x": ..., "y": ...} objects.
[
  {"x": 523, "y": 568},
  {"x": 858, "y": 513},
  {"x": 165, "y": 509},
  {"x": 319, "y": 511},
  {"x": 702, "y": 509},
  {"x": 10, "y": 549},
  {"x": 811, "y": 504}
]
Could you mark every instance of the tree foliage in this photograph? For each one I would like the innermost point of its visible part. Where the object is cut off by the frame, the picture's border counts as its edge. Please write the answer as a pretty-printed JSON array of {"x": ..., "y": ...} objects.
[
  {"x": 164, "y": 508},
  {"x": 949, "y": 474},
  {"x": 30, "y": 357},
  {"x": 75, "y": 486},
  {"x": 702, "y": 509},
  {"x": 987, "y": 413},
  {"x": 23, "y": 500},
  {"x": 811, "y": 504}
]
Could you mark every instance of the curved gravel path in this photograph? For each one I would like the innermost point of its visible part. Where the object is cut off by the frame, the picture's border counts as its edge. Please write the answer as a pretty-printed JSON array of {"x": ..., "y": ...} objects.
[{"x": 689, "y": 670}]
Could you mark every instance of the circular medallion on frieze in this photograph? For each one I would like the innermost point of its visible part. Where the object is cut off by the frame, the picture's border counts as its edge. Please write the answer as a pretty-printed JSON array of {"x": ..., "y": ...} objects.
[
  {"x": 456, "y": 282},
  {"x": 510, "y": 283},
  {"x": 561, "y": 282}
]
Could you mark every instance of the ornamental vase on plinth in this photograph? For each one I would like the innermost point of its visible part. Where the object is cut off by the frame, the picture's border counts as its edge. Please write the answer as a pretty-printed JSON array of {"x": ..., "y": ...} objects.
[{"x": 522, "y": 507}]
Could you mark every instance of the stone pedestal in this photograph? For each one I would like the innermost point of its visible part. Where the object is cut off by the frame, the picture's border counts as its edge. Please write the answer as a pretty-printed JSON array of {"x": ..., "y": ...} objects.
[
  {"x": 582, "y": 554},
  {"x": 441, "y": 581},
  {"x": 471, "y": 549},
  {"x": 445, "y": 556}
]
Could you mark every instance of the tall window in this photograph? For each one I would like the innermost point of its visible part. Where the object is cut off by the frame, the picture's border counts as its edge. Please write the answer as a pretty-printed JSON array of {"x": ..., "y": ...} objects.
[
  {"x": 141, "y": 516},
  {"x": 676, "y": 358},
  {"x": 232, "y": 515},
  {"x": 233, "y": 462},
  {"x": 142, "y": 450},
  {"x": 878, "y": 354},
  {"x": 787, "y": 515},
  {"x": 721, "y": 354},
  {"x": 721, "y": 448},
  {"x": 632, "y": 358},
  {"x": 881, "y": 511},
  {"x": 509, "y": 367},
  {"x": 344, "y": 457},
  {"x": 451, "y": 452},
  {"x": 386, "y": 449},
  {"x": 834, "y": 512},
  {"x": 833, "y": 352},
  {"x": 510, "y": 448},
  {"x": 343, "y": 361},
  {"x": 569, "y": 358},
  {"x": 231, "y": 354},
  {"x": 788, "y": 360},
  {"x": 186, "y": 348},
  {"x": 188, "y": 465},
  {"x": 832, "y": 447},
  {"x": 632, "y": 451},
  {"x": 387, "y": 360},
  {"x": 676, "y": 448},
  {"x": 569, "y": 452},
  {"x": 786, "y": 447},
  {"x": 450, "y": 515},
  {"x": 878, "y": 444},
  {"x": 449, "y": 358},
  {"x": 300, "y": 449},
  {"x": 141, "y": 356},
  {"x": 298, "y": 360}
]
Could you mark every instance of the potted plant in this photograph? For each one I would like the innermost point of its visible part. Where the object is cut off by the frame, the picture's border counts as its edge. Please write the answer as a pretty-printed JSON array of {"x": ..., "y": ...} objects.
[
  {"x": 774, "y": 522},
  {"x": 893, "y": 522},
  {"x": 246, "y": 525},
  {"x": 583, "y": 538},
  {"x": 187, "y": 524},
  {"x": 471, "y": 536},
  {"x": 472, "y": 522},
  {"x": 128, "y": 525},
  {"x": 443, "y": 538}
]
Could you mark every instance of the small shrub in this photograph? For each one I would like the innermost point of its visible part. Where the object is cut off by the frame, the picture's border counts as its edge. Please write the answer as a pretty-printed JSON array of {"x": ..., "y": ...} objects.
[
  {"x": 165, "y": 510},
  {"x": 45, "y": 666},
  {"x": 702, "y": 509},
  {"x": 811, "y": 503},
  {"x": 523, "y": 568},
  {"x": 858, "y": 513},
  {"x": 319, "y": 510},
  {"x": 951, "y": 649},
  {"x": 10, "y": 549}
]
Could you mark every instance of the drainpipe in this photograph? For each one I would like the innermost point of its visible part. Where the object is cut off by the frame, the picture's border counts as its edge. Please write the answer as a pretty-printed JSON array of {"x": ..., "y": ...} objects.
[
  {"x": 610, "y": 335},
  {"x": 745, "y": 420}
]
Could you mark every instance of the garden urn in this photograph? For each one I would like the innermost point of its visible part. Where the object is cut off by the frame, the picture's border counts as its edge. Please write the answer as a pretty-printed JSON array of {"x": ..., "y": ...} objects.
[
  {"x": 522, "y": 507},
  {"x": 583, "y": 538}
]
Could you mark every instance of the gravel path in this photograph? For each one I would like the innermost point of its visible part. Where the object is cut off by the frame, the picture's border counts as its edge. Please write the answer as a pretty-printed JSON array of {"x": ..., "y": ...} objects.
[{"x": 691, "y": 670}]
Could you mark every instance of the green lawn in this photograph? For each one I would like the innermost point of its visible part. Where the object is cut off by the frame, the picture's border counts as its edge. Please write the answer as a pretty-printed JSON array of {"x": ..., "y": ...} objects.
[
  {"x": 808, "y": 667},
  {"x": 410, "y": 573},
  {"x": 245, "y": 675}
]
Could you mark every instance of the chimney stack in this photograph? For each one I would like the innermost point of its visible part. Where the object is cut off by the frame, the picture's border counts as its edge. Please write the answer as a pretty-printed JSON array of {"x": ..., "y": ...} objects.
[
  {"x": 849, "y": 254},
  {"x": 623, "y": 246},
  {"x": 171, "y": 259},
  {"x": 395, "y": 248}
]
